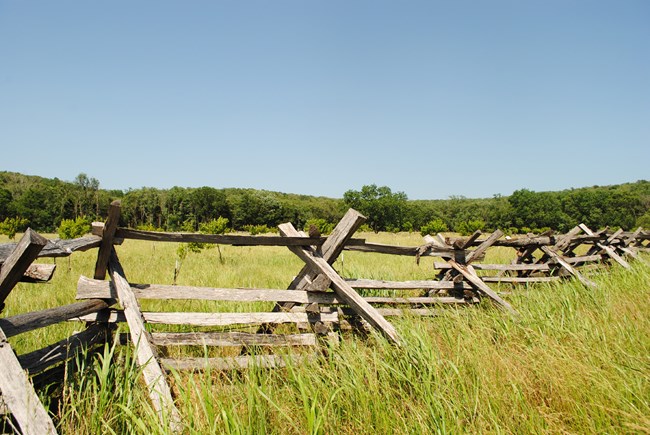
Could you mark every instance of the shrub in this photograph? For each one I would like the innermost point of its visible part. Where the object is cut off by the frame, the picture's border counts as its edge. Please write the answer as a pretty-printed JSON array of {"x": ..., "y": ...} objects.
[
  {"x": 468, "y": 227},
  {"x": 71, "y": 229},
  {"x": 185, "y": 248},
  {"x": 323, "y": 226},
  {"x": 434, "y": 227},
  {"x": 148, "y": 227},
  {"x": 644, "y": 221},
  {"x": 254, "y": 230},
  {"x": 189, "y": 226},
  {"x": 10, "y": 226},
  {"x": 215, "y": 226}
]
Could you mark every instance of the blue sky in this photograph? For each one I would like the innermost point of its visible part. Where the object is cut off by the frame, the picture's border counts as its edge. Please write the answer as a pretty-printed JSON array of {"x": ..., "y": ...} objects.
[{"x": 431, "y": 98}]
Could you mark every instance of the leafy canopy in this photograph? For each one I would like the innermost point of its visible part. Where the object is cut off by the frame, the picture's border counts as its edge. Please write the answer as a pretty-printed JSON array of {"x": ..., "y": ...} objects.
[{"x": 384, "y": 209}]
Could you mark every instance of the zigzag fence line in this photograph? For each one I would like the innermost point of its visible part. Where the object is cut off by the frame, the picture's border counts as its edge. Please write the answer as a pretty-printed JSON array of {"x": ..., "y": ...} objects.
[{"x": 317, "y": 303}]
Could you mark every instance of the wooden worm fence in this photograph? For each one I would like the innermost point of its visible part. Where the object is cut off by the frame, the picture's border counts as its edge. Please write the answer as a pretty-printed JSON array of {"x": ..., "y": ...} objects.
[
  {"x": 17, "y": 393},
  {"x": 314, "y": 304}
]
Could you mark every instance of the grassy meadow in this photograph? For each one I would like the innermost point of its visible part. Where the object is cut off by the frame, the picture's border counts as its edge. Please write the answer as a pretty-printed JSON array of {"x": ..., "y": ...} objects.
[{"x": 576, "y": 360}]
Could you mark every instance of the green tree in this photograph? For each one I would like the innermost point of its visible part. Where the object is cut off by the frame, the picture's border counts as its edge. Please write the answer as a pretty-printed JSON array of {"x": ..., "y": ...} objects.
[
  {"x": 434, "y": 227},
  {"x": 256, "y": 207},
  {"x": 215, "y": 226},
  {"x": 421, "y": 212},
  {"x": 321, "y": 225},
  {"x": 143, "y": 206},
  {"x": 38, "y": 205},
  {"x": 10, "y": 226},
  {"x": 468, "y": 227},
  {"x": 643, "y": 221},
  {"x": 208, "y": 203},
  {"x": 538, "y": 210},
  {"x": 384, "y": 209},
  {"x": 178, "y": 206},
  {"x": 499, "y": 213},
  {"x": 6, "y": 204},
  {"x": 87, "y": 196}
]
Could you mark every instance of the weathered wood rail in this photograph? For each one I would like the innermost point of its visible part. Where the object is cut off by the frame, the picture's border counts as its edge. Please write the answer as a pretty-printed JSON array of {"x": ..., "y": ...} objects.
[
  {"x": 55, "y": 248},
  {"x": 549, "y": 257},
  {"x": 21, "y": 372}
]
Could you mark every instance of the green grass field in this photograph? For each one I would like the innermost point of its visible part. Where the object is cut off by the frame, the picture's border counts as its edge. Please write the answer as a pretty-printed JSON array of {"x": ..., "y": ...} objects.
[{"x": 577, "y": 360}]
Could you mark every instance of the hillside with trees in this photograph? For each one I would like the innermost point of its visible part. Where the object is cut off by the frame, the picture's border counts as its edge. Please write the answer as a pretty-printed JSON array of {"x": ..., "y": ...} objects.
[{"x": 43, "y": 204}]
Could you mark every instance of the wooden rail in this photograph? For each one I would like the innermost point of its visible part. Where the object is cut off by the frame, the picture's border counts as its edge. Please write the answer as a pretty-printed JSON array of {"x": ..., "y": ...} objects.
[
  {"x": 56, "y": 248},
  {"x": 223, "y": 239},
  {"x": 16, "y": 390},
  {"x": 96, "y": 290}
]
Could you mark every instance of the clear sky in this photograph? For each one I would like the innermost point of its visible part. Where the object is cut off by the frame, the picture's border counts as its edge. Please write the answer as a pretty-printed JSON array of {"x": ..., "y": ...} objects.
[{"x": 431, "y": 98}]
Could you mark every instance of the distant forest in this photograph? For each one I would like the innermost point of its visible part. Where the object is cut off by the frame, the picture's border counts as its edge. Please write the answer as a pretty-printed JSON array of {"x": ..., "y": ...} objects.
[{"x": 43, "y": 203}]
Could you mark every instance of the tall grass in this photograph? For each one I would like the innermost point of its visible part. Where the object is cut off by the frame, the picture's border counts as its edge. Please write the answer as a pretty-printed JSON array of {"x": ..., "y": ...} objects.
[{"x": 577, "y": 360}]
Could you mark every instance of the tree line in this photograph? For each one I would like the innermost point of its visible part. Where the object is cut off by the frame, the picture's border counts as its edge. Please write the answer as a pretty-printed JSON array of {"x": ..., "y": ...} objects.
[{"x": 43, "y": 204}]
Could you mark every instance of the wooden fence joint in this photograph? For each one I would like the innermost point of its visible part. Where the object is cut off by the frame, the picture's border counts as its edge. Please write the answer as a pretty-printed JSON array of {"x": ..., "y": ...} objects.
[
  {"x": 15, "y": 266},
  {"x": 108, "y": 233}
]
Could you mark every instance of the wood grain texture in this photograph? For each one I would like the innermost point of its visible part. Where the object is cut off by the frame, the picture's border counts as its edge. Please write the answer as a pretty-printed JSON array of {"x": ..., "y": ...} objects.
[
  {"x": 604, "y": 246},
  {"x": 565, "y": 240},
  {"x": 106, "y": 246},
  {"x": 20, "y": 323},
  {"x": 19, "y": 260},
  {"x": 412, "y": 251},
  {"x": 159, "y": 392},
  {"x": 501, "y": 267},
  {"x": 400, "y": 312},
  {"x": 537, "y": 240},
  {"x": 629, "y": 238},
  {"x": 331, "y": 249},
  {"x": 480, "y": 249},
  {"x": 470, "y": 275},
  {"x": 613, "y": 255},
  {"x": 230, "y": 339},
  {"x": 214, "y": 319},
  {"x": 422, "y": 300},
  {"x": 566, "y": 266},
  {"x": 342, "y": 288},
  {"x": 406, "y": 285},
  {"x": 19, "y": 396},
  {"x": 616, "y": 234},
  {"x": 55, "y": 248},
  {"x": 583, "y": 259},
  {"x": 223, "y": 239},
  {"x": 519, "y": 279},
  {"x": 464, "y": 244},
  {"x": 307, "y": 279},
  {"x": 88, "y": 288},
  {"x": 39, "y": 360},
  {"x": 438, "y": 241},
  {"x": 39, "y": 273},
  {"x": 397, "y": 312}
]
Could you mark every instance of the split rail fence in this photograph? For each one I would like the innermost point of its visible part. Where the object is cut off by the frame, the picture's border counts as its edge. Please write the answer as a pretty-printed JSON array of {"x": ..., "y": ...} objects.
[{"x": 316, "y": 303}]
